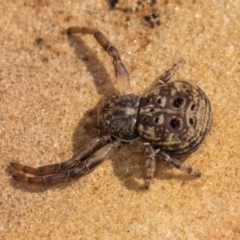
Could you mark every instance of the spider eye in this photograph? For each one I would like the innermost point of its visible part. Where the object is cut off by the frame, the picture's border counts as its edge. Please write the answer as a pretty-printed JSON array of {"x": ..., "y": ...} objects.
[
  {"x": 175, "y": 123},
  {"x": 177, "y": 102}
]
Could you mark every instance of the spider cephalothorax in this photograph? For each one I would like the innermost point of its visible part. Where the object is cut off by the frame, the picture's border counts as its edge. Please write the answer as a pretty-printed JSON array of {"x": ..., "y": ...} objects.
[
  {"x": 118, "y": 116},
  {"x": 169, "y": 119}
]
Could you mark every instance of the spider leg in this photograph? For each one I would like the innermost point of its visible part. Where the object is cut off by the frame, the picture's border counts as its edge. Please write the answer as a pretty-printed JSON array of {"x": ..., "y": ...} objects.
[
  {"x": 166, "y": 76},
  {"x": 151, "y": 155},
  {"x": 121, "y": 72},
  {"x": 139, "y": 146},
  {"x": 83, "y": 153},
  {"x": 76, "y": 172},
  {"x": 150, "y": 164},
  {"x": 178, "y": 164}
]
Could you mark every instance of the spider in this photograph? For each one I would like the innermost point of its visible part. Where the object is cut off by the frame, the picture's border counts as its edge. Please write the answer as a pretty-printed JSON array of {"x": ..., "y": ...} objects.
[{"x": 170, "y": 119}]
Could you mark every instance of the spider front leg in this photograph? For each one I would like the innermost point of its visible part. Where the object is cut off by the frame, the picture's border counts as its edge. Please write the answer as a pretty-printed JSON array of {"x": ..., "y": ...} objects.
[
  {"x": 166, "y": 76},
  {"x": 86, "y": 151},
  {"x": 150, "y": 164},
  {"x": 139, "y": 146},
  {"x": 121, "y": 73}
]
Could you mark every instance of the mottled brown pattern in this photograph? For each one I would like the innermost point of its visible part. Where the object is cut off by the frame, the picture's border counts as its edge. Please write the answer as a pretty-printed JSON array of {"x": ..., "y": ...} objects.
[{"x": 175, "y": 117}]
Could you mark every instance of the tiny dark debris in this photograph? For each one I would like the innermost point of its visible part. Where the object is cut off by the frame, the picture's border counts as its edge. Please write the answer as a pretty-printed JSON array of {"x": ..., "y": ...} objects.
[
  {"x": 113, "y": 3},
  {"x": 38, "y": 41},
  {"x": 152, "y": 19}
]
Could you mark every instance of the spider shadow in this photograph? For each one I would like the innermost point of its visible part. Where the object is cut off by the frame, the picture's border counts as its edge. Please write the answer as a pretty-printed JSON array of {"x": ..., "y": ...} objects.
[
  {"x": 129, "y": 169},
  {"x": 103, "y": 86},
  {"x": 102, "y": 81}
]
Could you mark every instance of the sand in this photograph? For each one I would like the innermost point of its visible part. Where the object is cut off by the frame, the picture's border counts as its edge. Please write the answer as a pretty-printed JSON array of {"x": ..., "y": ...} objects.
[{"x": 49, "y": 82}]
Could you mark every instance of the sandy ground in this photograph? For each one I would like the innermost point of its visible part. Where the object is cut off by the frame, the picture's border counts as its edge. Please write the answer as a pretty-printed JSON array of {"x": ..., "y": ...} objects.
[{"x": 48, "y": 83}]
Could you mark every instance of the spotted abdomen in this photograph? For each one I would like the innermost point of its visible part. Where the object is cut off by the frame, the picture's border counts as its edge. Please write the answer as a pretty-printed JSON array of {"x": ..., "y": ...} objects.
[{"x": 175, "y": 117}]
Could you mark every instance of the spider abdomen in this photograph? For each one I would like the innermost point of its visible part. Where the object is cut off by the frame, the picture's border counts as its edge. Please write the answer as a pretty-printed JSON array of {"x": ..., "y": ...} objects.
[{"x": 175, "y": 117}]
